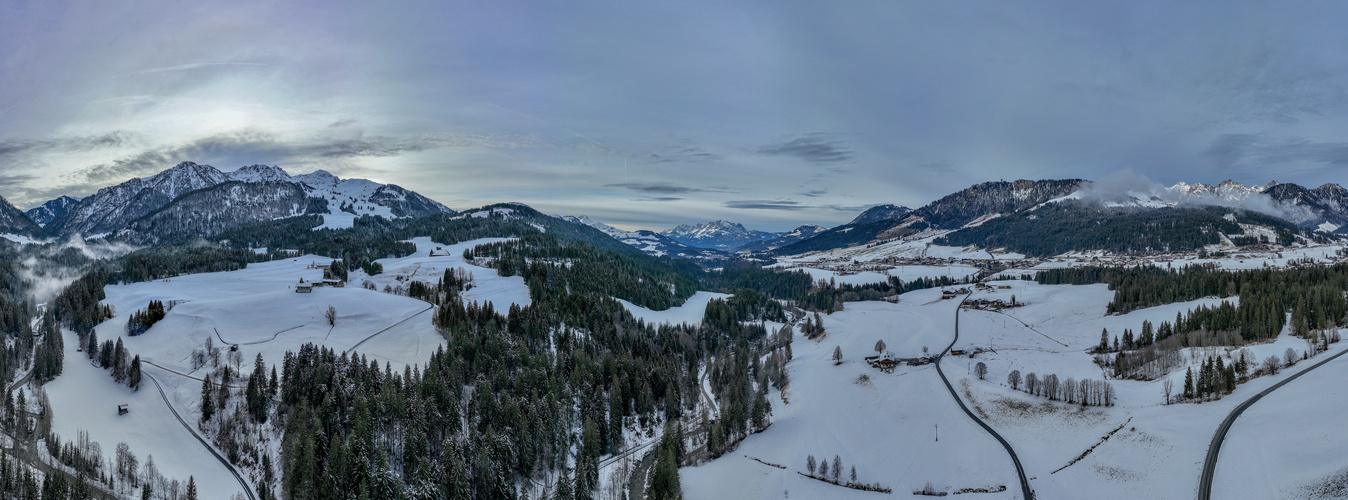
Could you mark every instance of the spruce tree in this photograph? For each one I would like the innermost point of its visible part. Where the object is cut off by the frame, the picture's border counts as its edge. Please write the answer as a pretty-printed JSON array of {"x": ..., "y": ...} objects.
[{"x": 207, "y": 406}]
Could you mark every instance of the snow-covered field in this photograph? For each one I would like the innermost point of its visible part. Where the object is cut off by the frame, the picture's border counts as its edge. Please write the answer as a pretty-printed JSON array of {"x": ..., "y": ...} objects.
[
  {"x": 85, "y": 397},
  {"x": 690, "y": 312},
  {"x": 1154, "y": 450},
  {"x": 1289, "y": 444},
  {"x": 886, "y": 427},
  {"x": 422, "y": 266},
  {"x": 905, "y": 273},
  {"x": 258, "y": 309}
]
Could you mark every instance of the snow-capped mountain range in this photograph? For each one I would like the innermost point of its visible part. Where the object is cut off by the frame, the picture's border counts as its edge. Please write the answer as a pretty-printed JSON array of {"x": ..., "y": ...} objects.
[
  {"x": 114, "y": 208},
  {"x": 721, "y": 235},
  {"x": 650, "y": 242},
  {"x": 1324, "y": 208}
]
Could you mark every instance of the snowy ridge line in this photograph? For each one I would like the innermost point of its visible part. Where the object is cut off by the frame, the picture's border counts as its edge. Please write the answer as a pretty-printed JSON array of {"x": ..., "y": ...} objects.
[
  {"x": 390, "y": 327},
  {"x": 232, "y": 470},
  {"x": 1026, "y": 492},
  {"x": 1215, "y": 448}
]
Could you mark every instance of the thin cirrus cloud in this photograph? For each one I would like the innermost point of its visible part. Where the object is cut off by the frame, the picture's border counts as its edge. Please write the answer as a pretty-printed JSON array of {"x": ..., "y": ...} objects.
[{"x": 814, "y": 148}]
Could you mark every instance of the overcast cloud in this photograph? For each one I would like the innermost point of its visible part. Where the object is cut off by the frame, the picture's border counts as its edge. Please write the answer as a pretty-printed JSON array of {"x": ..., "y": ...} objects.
[{"x": 646, "y": 115}]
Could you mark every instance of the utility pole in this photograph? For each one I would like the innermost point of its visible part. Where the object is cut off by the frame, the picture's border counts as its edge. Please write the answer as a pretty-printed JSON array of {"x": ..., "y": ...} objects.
[{"x": 938, "y": 433}]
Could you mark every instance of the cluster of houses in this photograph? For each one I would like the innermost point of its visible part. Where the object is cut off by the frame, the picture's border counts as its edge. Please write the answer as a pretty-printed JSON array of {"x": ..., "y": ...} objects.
[
  {"x": 950, "y": 294},
  {"x": 990, "y": 305},
  {"x": 887, "y": 362},
  {"x": 308, "y": 286}
]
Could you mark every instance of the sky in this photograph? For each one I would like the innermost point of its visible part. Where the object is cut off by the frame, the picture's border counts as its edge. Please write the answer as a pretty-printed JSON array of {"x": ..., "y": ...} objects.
[{"x": 645, "y": 115}]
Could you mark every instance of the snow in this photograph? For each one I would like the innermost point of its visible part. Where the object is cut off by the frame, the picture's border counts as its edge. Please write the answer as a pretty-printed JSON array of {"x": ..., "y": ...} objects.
[
  {"x": 1288, "y": 444},
  {"x": 1155, "y": 451},
  {"x": 18, "y": 238},
  {"x": 258, "y": 309},
  {"x": 904, "y": 272},
  {"x": 690, "y": 312},
  {"x": 421, "y": 266},
  {"x": 886, "y": 428},
  {"x": 86, "y": 397}
]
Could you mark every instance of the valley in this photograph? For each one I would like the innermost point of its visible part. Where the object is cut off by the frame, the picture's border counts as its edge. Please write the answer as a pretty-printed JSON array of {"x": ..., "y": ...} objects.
[{"x": 728, "y": 375}]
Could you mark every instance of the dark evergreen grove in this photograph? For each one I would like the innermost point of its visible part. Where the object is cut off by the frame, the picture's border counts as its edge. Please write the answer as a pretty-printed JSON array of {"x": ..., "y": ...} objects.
[{"x": 142, "y": 320}]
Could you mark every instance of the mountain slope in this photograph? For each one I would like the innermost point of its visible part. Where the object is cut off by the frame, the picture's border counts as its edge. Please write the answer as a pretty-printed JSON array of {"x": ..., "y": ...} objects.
[
  {"x": 1077, "y": 226},
  {"x": 208, "y": 211},
  {"x": 648, "y": 242},
  {"x": 365, "y": 197},
  {"x": 719, "y": 234},
  {"x": 13, "y": 221},
  {"x": 797, "y": 234},
  {"x": 114, "y": 207},
  {"x": 44, "y": 213},
  {"x": 881, "y": 212},
  {"x": 953, "y": 211}
]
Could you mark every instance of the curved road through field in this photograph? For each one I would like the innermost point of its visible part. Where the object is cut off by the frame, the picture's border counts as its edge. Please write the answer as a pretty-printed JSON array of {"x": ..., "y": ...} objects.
[
  {"x": 1025, "y": 490},
  {"x": 1215, "y": 448},
  {"x": 232, "y": 470}
]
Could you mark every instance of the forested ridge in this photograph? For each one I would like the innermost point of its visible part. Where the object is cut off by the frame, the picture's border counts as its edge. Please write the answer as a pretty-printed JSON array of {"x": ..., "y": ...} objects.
[{"x": 1071, "y": 225}]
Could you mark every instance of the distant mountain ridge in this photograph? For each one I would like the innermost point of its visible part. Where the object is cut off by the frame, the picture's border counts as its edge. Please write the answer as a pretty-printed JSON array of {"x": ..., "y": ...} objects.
[
  {"x": 44, "y": 213},
  {"x": 720, "y": 234},
  {"x": 14, "y": 221},
  {"x": 787, "y": 238},
  {"x": 649, "y": 242},
  {"x": 881, "y": 212},
  {"x": 952, "y": 211},
  {"x": 118, "y": 207}
]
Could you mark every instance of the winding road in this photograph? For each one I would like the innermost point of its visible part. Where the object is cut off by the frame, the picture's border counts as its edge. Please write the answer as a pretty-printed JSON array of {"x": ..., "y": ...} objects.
[
  {"x": 247, "y": 490},
  {"x": 1026, "y": 492},
  {"x": 1215, "y": 448}
]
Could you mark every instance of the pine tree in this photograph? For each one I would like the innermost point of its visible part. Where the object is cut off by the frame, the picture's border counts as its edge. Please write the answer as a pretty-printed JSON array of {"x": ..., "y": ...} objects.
[
  {"x": 91, "y": 347},
  {"x": 207, "y": 406},
  {"x": 133, "y": 376},
  {"x": 191, "y": 488},
  {"x": 1189, "y": 383}
]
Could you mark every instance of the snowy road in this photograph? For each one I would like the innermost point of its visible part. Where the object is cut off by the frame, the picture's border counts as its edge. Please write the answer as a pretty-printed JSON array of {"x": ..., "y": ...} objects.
[
  {"x": 1215, "y": 448},
  {"x": 203, "y": 442},
  {"x": 1025, "y": 490}
]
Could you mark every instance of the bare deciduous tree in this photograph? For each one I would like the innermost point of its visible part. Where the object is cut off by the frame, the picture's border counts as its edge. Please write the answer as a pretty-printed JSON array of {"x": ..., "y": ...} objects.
[
  {"x": 1168, "y": 388},
  {"x": 331, "y": 316},
  {"x": 1013, "y": 379},
  {"x": 837, "y": 355},
  {"x": 981, "y": 370},
  {"x": 880, "y": 346}
]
